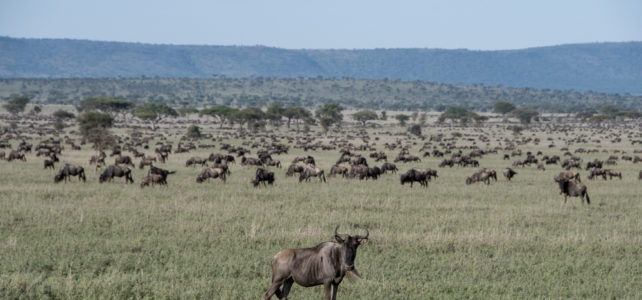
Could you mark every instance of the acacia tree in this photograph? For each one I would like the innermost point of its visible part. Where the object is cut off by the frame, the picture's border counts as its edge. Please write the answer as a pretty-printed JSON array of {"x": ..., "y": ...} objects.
[
  {"x": 503, "y": 107},
  {"x": 109, "y": 105},
  {"x": 250, "y": 115},
  {"x": 402, "y": 119},
  {"x": 274, "y": 113},
  {"x": 297, "y": 113},
  {"x": 329, "y": 114},
  {"x": 16, "y": 105},
  {"x": 154, "y": 112},
  {"x": 525, "y": 115},
  {"x": 59, "y": 118},
  {"x": 364, "y": 116},
  {"x": 221, "y": 112},
  {"x": 94, "y": 127}
]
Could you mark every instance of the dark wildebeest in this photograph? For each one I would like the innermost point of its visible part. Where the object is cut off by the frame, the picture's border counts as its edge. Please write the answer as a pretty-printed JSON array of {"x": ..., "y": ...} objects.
[
  {"x": 162, "y": 172},
  {"x": 196, "y": 161},
  {"x": 509, "y": 173},
  {"x": 336, "y": 169},
  {"x": 326, "y": 263},
  {"x": 447, "y": 162},
  {"x": 152, "y": 179},
  {"x": 116, "y": 171},
  {"x": 124, "y": 160},
  {"x": 70, "y": 170},
  {"x": 49, "y": 164},
  {"x": 251, "y": 161},
  {"x": 304, "y": 159},
  {"x": 263, "y": 175},
  {"x": 16, "y": 155},
  {"x": 594, "y": 164},
  {"x": 389, "y": 167},
  {"x": 412, "y": 176},
  {"x": 597, "y": 172},
  {"x": 570, "y": 188},
  {"x": 294, "y": 168},
  {"x": 208, "y": 173},
  {"x": 311, "y": 171}
]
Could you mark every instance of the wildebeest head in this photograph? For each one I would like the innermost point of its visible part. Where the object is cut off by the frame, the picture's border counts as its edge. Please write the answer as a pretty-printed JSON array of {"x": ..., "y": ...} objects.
[
  {"x": 58, "y": 177},
  {"x": 351, "y": 243}
]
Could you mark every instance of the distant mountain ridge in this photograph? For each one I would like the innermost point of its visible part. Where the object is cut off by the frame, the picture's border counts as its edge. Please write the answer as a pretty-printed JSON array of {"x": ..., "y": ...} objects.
[{"x": 601, "y": 67}]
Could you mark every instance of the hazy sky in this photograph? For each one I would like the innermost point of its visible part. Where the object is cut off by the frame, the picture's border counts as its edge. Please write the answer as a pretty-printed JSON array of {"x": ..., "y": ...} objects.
[{"x": 327, "y": 24}]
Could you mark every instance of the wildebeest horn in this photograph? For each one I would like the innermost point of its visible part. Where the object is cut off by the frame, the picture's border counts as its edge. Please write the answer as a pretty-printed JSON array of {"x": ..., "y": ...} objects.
[
  {"x": 363, "y": 237},
  {"x": 340, "y": 236}
]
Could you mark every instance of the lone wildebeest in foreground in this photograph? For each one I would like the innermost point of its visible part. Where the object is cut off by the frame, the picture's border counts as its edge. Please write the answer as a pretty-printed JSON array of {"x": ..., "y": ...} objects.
[
  {"x": 571, "y": 188},
  {"x": 68, "y": 171},
  {"x": 263, "y": 175},
  {"x": 326, "y": 263},
  {"x": 509, "y": 173}
]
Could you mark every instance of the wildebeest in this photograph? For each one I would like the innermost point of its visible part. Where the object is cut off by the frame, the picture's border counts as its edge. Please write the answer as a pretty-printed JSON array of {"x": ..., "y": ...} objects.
[
  {"x": 613, "y": 173},
  {"x": 162, "y": 172},
  {"x": 294, "y": 168},
  {"x": 145, "y": 162},
  {"x": 509, "y": 173},
  {"x": 483, "y": 175},
  {"x": 570, "y": 188},
  {"x": 49, "y": 164},
  {"x": 311, "y": 171},
  {"x": 251, "y": 161},
  {"x": 336, "y": 169},
  {"x": 640, "y": 175},
  {"x": 324, "y": 264},
  {"x": 124, "y": 160},
  {"x": 309, "y": 160},
  {"x": 152, "y": 179},
  {"x": 196, "y": 161},
  {"x": 16, "y": 155},
  {"x": 412, "y": 176},
  {"x": 263, "y": 175},
  {"x": 116, "y": 171},
  {"x": 208, "y": 173},
  {"x": 446, "y": 162},
  {"x": 389, "y": 167},
  {"x": 69, "y": 170},
  {"x": 570, "y": 175},
  {"x": 597, "y": 172}
]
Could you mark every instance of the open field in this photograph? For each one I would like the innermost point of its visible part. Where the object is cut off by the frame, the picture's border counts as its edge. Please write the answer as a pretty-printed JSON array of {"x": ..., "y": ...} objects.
[{"x": 216, "y": 241}]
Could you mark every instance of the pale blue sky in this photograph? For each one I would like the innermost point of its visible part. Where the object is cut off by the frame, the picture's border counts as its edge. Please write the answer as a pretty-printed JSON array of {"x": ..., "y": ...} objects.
[{"x": 483, "y": 25}]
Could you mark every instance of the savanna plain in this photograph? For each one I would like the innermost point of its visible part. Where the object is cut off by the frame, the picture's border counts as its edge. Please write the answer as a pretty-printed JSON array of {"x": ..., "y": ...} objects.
[{"x": 215, "y": 240}]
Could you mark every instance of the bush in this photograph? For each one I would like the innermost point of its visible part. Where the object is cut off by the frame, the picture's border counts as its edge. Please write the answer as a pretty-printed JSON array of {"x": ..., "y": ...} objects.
[
  {"x": 194, "y": 132},
  {"x": 415, "y": 129}
]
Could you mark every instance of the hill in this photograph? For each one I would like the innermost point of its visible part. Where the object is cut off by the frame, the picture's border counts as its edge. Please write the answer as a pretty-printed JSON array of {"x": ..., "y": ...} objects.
[{"x": 601, "y": 67}]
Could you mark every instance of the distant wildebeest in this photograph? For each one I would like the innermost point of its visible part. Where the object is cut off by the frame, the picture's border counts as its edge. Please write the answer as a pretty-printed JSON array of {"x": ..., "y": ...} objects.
[
  {"x": 251, "y": 161},
  {"x": 613, "y": 173},
  {"x": 308, "y": 160},
  {"x": 540, "y": 166},
  {"x": 407, "y": 158},
  {"x": 389, "y": 167},
  {"x": 196, "y": 161},
  {"x": 273, "y": 163},
  {"x": 597, "y": 172},
  {"x": 294, "y": 168},
  {"x": 359, "y": 161},
  {"x": 324, "y": 264},
  {"x": 49, "y": 164},
  {"x": 594, "y": 164},
  {"x": 447, "y": 162},
  {"x": 483, "y": 175},
  {"x": 570, "y": 188},
  {"x": 412, "y": 176},
  {"x": 116, "y": 171},
  {"x": 570, "y": 175},
  {"x": 208, "y": 173},
  {"x": 69, "y": 170},
  {"x": 311, "y": 171},
  {"x": 336, "y": 169},
  {"x": 152, "y": 179},
  {"x": 145, "y": 162},
  {"x": 509, "y": 173},
  {"x": 263, "y": 176},
  {"x": 162, "y": 172},
  {"x": 16, "y": 155},
  {"x": 124, "y": 160}
]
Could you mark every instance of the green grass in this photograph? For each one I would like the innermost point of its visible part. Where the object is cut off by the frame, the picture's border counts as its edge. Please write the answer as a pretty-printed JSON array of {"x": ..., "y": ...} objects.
[{"x": 507, "y": 240}]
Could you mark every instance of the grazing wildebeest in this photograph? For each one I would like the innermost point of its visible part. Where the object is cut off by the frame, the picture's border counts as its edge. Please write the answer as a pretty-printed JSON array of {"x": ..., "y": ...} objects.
[
  {"x": 251, "y": 161},
  {"x": 613, "y": 173},
  {"x": 294, "y": 168},
  {"x": 124, "y": 160},
  {"x": 597, "y": 172},
  {"x": 152, "y": 179},
  {"x": 145, "y": 162},
  {"x": 389, "y": 167},
  {"x": 311, "y": 171},
  {"x": 208, "y": 173},
  {"x": 309, "y": 160},
  {"x": 447, "y": 162},
  {"x": 336, "y": 169},
  {"x": 16, "y": 155},
  {"x": 49, "y": 164},
  {"x": 196, "y": 161},
  {"x": 116, "y": 171},
  {"x": 263, "y": 175},
  {"x": 509, "y": 173},
  {"x": 412, "y": 176},
  {"x": 326, "y": 263},
  {"x": 570, "y": 188},
  {"x": 162, "y": 172},
  {"x": 594, "y": 164},
  {"x": 273, "y": 163},
  {"x": 70, "y": 170},
  {"x": 570, "y": 175}
]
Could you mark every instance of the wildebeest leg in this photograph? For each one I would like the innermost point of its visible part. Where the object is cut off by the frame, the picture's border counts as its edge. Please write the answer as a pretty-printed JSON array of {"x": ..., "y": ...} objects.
[
  {"x": 286, "y": 288},
  {"x": 335, "y": 289},
  {"x": 274, "y": 288},
  {"x": 327, "y": 288}
]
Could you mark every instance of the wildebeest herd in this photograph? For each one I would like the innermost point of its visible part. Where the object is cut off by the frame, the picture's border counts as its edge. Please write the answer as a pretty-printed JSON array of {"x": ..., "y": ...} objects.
[{"x": 327, "y": 263}]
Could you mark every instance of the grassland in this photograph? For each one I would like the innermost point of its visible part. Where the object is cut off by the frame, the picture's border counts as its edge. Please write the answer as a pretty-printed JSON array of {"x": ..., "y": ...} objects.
[{"x": 216, "y": 241}]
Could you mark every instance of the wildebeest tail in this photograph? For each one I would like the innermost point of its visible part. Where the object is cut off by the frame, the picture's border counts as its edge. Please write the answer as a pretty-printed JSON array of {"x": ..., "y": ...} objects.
[
  {"x": 588, "y": 200},
  {"x": 353, "y": 275}
]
